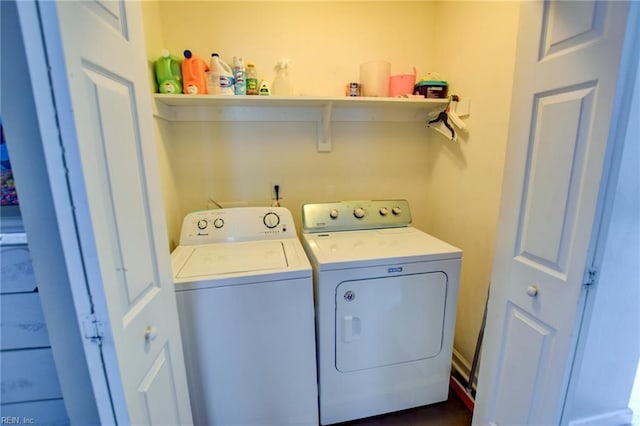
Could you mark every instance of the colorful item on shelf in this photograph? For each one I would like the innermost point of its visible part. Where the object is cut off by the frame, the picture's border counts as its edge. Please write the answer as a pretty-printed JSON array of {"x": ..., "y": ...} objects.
[
  {"x": 193, "y": 74},
  {"x": 168, "y": 75},
  {"x": 9, "y": 196},
  {"x": 432, "y": 89},
  {"x": 402, "y": 84}
]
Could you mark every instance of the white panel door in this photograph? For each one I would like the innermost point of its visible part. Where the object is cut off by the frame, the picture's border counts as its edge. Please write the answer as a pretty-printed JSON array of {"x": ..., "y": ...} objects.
[
  {"x": 103, "y": 107},
  {"x": 565, "y": 80}
]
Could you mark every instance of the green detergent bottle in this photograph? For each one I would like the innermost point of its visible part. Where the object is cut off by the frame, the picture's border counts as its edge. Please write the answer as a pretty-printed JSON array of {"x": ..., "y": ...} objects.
[{"x": 168, "y": 73}]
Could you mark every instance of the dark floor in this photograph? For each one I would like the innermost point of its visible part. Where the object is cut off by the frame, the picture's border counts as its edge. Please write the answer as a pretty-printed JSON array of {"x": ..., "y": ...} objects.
[{"x": 452, "y": 412}]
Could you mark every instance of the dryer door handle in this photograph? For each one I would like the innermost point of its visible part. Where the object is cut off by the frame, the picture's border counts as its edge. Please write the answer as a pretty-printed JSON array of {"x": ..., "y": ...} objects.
[{"x": 351, "y": 328}]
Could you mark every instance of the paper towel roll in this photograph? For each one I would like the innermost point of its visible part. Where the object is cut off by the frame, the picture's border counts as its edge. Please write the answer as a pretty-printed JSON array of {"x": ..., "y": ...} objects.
[{"x": 374, "y": 77}]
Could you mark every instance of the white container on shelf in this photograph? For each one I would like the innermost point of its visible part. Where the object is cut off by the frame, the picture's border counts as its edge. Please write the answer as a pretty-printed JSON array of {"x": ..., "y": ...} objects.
[
  {"x": 240, "y": 76},
  {"x": 374, "y": 78},
  {"x": 226, "y": 74},
  {"x": 213, "y": 76}
]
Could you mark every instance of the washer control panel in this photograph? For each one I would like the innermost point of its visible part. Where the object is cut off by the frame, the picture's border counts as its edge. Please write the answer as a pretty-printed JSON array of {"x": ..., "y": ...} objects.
[
  {"x": 355, "y": 215},
  {"x": 237, "y": 224}
]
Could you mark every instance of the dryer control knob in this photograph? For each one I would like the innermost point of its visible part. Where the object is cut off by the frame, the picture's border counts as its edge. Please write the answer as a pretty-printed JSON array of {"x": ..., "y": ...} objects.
[
  {"x": 271, "y": 220},
  {"x": 396, "y": 210},
  {"x": 358, "y": 212},
  {"x": 384, "y": 211},
  {"x": 202, "y": 223},
  {"x": 218, "y": 223},
  {"x": 333, "y": 214}
]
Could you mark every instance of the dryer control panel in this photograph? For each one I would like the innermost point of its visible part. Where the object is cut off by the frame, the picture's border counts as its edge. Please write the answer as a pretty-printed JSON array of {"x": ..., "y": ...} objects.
[
  {"x": 237, "y": 224},
  {"x": 355, "y": 215}
]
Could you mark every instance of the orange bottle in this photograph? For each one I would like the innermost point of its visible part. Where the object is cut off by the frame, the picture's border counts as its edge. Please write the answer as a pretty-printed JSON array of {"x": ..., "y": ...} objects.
[{"x": 194, "y": 81}]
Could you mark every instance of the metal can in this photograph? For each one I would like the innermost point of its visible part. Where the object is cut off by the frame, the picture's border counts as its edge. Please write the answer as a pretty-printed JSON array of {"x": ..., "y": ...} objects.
[{"x": 354, "y": 89}]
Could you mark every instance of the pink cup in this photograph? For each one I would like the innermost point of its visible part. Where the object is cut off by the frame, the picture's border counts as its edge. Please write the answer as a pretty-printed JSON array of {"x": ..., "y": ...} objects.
[{"x": 402, "y": 84}]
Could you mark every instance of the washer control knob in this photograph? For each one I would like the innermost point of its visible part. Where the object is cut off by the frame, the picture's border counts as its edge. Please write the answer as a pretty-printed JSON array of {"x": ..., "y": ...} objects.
[
  {"x": 202, "y": 224},
  {"x": 271, "y": 220},
  {"x": 384, "y": 211},
  {"x": 396, "y": 210},
  {"x": 333, "y": 214},
  {"x": 358, "y": 212},
  {"x": 218, "y": 223}
]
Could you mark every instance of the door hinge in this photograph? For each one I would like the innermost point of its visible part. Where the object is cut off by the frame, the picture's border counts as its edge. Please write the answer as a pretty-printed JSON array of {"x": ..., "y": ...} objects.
[
  {"x": 92, "y": 328},
  {"x": 591, "y": 275}
]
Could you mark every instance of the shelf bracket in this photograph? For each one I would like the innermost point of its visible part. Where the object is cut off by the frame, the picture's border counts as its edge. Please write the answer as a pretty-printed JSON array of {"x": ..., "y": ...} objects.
[{"x": 324, "y": 129}]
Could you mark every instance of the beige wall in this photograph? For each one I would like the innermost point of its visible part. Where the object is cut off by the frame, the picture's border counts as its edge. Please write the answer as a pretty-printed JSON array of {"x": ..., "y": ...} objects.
[
  {"x": 236, "y": 163},
  {"x": 155, "y": 42},
  {"x": 477, "y": 54},
  {"x": 453, "y": 188}
]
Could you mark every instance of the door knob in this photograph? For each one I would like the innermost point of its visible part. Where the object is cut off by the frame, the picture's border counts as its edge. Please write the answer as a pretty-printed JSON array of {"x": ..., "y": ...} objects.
[
  {"x": 532, "y": 291},
  {"x": 150, "y": 333}
]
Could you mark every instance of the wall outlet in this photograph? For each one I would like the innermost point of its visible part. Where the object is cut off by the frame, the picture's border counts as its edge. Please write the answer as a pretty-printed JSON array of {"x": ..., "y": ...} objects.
[
  {"x": 272, "y": 189},
  {"x": 463, "y": 107}
]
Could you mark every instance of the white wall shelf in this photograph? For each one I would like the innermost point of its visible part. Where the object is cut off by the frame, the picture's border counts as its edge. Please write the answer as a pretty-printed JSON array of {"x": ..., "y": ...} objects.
[{"x": 323, "y": 110}]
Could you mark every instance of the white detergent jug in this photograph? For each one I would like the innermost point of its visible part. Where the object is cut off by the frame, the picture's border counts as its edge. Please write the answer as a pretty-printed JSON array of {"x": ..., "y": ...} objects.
[{"x": 218, "y": 66}]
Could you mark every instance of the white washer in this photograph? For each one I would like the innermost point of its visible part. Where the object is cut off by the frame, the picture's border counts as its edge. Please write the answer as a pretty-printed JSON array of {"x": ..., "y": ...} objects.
[
  {"x": 245, "y": 302},
  {"x": 386, "y": 296}
]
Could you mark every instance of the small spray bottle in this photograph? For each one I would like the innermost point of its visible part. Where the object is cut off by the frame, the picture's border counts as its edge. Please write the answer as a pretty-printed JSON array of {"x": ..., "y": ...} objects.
[{"x": 282, "y": 85}]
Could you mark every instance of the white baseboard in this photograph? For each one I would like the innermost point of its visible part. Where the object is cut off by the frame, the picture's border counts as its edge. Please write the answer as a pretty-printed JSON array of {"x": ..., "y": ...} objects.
[
  {"x": 462, "y": 366},
  {"x": 613, "y": 418}
]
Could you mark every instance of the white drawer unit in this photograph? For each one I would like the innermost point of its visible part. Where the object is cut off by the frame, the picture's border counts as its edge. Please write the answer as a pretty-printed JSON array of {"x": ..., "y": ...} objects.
[{"x": 30, "y": 387}]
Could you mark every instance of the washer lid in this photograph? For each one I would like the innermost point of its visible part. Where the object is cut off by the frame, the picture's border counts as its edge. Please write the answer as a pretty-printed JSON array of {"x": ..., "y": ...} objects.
[{"x": 217, "y": 259}]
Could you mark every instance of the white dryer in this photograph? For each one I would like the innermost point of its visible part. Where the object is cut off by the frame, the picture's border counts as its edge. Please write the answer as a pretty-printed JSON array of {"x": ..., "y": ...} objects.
[
  {"x": 245, "y": 302},
  {"x": 386, "y": 296}
]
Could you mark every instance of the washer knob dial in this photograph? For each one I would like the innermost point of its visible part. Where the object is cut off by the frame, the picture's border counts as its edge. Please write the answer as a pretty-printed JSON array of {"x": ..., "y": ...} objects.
[
  {"x": 358, "y": 212},
  {"x": 384, "y": 211},
  {"x": 333, "y": 214},
  {"x": 202, "y": 224},
  {"x": 271, "y": 220},
  {"x": 396, "y": 210},
  {"x": 218, "y": 223}
]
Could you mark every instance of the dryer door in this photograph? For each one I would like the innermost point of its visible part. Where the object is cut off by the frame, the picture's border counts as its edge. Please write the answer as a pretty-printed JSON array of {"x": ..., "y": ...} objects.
[{"x": 383, "y": 321}]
